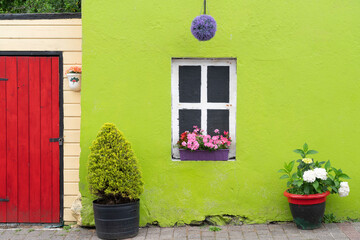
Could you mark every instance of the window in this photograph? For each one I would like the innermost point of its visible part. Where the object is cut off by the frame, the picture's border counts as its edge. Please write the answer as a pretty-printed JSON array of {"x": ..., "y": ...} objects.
[{"x": 203, "y": 94}]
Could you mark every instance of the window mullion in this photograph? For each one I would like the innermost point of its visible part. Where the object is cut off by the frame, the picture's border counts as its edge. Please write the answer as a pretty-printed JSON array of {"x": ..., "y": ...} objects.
[{"x": 204, "y": 97}]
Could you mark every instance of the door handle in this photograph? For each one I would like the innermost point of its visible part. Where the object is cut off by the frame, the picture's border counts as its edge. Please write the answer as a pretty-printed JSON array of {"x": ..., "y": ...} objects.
[{"x": 4, "y": 200}]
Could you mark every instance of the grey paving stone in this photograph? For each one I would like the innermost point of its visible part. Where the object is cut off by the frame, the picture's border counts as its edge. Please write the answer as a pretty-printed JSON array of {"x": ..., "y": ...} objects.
[
  {"x": 207, "y": 233},
  {"x": 265, "y": 238},
  {"x": 236, "y": 235},
  {"x": 153, "y": 236},
  {"x": 250, "y": 235},
  {"x": 180, "y": 233},
  {"x": 246, "y": 228},
  {"x": 20, "y": 231},
  {"x": 166, "y": 233},
  {"x": 95, "y": 237},
  {"x": 18, "y": 237},
  {"x": 259, "y": 227},
  {"x": 57, "y": 237},
  {"x": 223, "y": 234},
  {"x": 34, "y": 233},
  {"x": 234, "y": 229},
  {"x": 275, "y": 228},
  {"x": 153, "y": 230},
  {"x": 280, "y": 238},
  {"x": 31, "y": 238},
  {"x": 138, "y": 237}
]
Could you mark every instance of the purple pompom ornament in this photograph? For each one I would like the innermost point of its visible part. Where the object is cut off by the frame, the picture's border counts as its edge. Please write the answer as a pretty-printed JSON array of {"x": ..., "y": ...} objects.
[{"x": 203, "y": 27}]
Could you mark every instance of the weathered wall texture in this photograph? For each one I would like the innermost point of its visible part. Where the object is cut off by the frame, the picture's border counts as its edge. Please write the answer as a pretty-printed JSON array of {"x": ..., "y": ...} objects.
[
  {"x": 298, "y": 80},
  {"x": 55, "y": 35}
]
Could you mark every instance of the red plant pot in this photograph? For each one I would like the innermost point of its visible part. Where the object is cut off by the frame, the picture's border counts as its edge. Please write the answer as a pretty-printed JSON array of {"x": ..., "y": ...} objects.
[{"x": 307, "y": 210}]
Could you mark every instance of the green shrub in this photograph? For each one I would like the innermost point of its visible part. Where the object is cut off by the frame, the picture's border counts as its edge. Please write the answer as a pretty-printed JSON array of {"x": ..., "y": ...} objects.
[{"x": 113, "y": 172}]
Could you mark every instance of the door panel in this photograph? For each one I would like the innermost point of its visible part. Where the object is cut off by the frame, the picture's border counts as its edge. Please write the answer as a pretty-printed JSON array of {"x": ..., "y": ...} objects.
[{"x": 29, "y": 162}]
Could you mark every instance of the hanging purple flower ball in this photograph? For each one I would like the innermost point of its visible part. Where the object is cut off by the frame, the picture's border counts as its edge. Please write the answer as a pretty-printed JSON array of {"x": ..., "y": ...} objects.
[{"x": 203, "y": 27}]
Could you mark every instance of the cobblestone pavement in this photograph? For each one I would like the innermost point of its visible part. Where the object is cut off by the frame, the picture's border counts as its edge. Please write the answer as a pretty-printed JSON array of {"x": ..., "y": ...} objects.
[{"x": 340, "y": 231}]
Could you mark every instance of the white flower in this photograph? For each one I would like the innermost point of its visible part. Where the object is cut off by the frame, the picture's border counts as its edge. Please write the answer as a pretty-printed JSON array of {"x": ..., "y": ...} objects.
[
  {"x": 309, "y": 176},
  {"x": 320, "y": 173},
  {"x": 344, "y": 189}
]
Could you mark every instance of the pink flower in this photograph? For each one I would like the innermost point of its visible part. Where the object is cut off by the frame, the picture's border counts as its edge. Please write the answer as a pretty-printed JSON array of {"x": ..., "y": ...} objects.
[
  {"x": 216, "y": 131},
  {"x": 195, "y": 127},
  {"x": 183, "y": 143},
  {"x": 215, "y": 138},
  {"x": 191, "y": 136}
]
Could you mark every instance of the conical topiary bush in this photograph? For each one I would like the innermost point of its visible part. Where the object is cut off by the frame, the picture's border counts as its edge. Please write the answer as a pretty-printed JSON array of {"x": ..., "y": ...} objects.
[{"x": 113, "y": 172}]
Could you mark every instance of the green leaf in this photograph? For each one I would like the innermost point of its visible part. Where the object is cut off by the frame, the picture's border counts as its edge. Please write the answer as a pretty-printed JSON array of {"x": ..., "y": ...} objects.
[
  {"x": 306, "y": 189},
  {"x": 344, "y": 176},
  {"x": 299, "y": 151},
  {"x": 291, "y": 165},
  {"x": 312, "y": 152},
  {"x": 305, "y": 147},
  {"x": 315, "y": 184},
  {"x": 327, "y": 165},
  {"x": 282, "y": 171},
  {"x": 298, "y": 183},
  {"x": 294, "y": 175},
  {"x": 284, "y": 176}
]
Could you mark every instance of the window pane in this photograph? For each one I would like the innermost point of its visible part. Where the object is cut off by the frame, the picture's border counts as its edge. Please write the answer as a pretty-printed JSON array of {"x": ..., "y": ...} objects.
[
  {"x": 217, "y": 119},
  {"x": 189, "y": 83},
  {"x": 189, "y": 118},
  {"x": 218, "y": 83}
]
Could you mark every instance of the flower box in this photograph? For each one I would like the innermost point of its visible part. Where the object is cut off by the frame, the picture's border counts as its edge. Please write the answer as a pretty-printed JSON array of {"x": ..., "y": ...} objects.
[{"x": 204, "y": 155}]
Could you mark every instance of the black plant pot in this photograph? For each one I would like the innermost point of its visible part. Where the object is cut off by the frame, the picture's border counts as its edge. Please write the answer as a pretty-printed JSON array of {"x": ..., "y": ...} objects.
[
  {"x": 117, "y": 221},
  {"x": 307, "y": 217}
]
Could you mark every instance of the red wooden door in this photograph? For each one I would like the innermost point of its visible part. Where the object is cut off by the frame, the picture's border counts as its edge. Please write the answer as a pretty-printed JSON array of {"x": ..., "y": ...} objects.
[{"x": 29, "y": 162}]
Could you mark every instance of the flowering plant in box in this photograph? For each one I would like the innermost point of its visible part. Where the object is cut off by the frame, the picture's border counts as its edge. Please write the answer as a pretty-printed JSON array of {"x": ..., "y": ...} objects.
[
  {"x": 312, "y": 177},
  {"x": 74, "y": 69},
  {"x": 197, "y": 140}
]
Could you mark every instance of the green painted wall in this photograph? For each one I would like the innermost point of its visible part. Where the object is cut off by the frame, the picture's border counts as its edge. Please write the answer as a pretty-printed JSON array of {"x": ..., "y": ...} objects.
[{"x": 298, "y": 80}]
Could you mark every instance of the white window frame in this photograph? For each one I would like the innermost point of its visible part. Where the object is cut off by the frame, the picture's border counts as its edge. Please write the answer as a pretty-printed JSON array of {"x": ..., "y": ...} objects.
[{"x": 203, "y": 105}]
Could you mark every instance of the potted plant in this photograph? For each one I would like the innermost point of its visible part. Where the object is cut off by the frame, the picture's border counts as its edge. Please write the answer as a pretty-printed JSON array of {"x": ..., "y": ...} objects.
[
  {"x": 196, "y": 145},
  {"x": 115, "y": 178},
  {"x": 308, "y": 187},
  {"x": 74, "y": 76}
]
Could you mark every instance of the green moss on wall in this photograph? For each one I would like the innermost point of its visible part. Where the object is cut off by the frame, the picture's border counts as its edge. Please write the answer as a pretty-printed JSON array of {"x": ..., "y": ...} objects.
[{"x": 298, "y": 81}]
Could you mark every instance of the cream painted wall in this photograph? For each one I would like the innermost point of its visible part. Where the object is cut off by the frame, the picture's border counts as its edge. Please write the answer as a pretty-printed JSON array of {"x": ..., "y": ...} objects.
[{"x": 55, "y": 35}]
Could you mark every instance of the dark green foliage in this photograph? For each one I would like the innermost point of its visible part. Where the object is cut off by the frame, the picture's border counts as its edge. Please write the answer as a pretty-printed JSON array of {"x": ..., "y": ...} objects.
[
  {"x": 39, "y": 6},
  {"x": 113, "y": 172},
  {"x": 330, "y": 218}
]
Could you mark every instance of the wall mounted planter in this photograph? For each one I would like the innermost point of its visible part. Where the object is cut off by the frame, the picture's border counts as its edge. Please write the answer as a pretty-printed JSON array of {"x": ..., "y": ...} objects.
[
  {"x": 203, "y": 155},
  {"x": 74, "y": 81},
  {"x": 307, "y": 210}
]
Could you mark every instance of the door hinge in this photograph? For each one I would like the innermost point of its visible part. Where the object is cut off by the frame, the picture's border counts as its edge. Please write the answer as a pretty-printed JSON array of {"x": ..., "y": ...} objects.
[
  {"x": 3, "y": 79},
  {"x": 60, "y": 140},
  {"x": 4, "y": 200}
]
